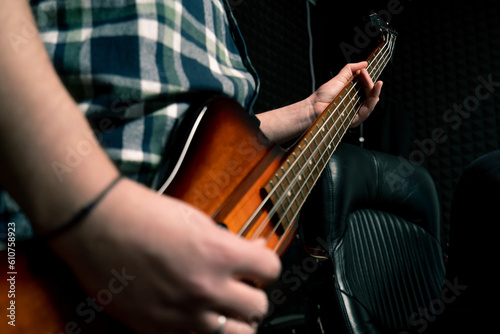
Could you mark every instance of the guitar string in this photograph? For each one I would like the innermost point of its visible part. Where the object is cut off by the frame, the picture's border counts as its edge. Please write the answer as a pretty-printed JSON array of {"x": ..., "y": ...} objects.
[
  {"x": 272, "y": 212},
  {"x": 385, "y": 60},
  {"x": 280, "y": 223},
  {"x": 386, "y": 48},
  {"x": 389, "y": 50},
  {"x": 295, "y": 199},
  {"x": 266, "y": 199}
]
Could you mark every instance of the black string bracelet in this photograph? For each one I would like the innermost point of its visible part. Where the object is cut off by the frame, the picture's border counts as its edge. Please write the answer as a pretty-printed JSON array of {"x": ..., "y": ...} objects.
[{"x": 80, "y": 215}]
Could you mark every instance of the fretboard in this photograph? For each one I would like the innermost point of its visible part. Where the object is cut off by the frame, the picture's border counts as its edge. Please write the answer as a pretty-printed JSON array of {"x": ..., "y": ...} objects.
[{"x": 290, "y": 186}]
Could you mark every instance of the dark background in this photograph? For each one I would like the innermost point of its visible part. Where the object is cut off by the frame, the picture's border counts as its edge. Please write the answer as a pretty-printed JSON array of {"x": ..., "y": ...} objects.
[{"x": 443, "y": 53}]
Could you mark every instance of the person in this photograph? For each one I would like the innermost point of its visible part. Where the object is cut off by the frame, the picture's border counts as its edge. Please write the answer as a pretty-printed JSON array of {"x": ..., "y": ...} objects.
[{"x": 91, "y": 91}]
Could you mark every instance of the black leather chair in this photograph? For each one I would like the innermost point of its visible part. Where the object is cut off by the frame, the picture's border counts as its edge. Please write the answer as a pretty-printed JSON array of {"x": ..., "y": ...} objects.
[{"x": 376, "y": 218}]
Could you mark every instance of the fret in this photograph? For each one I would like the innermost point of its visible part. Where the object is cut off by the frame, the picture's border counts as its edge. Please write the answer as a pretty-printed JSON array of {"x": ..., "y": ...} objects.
[
  {"x": 282, "y": 183},
  {"x": 270, "y": 187},
  {"x": 308, "y": 146},
  {"x": 318, "y": 147},
  {"x": 341, "y": 114},
  {"x": 296, "y": 160},
  {"x": 305, "y": 158},
  {"x": 300, "y": 175},
  {"x": 329, "y": 133},
  {"x": 296, "y": 176},
  {"x": 320, "y": 130},
  {"x": 334, "y": 121},
  {"x": 292, "y": 209},
  {"x": 274, "y": 194},
  {"x": 315, "y": 138},
  {"x": 285, "y": 221},
  {"x": 321, "y": 158},
  {"x": 294, "y": 172},
  {"x": 312, "y": 159},
  {"x": 283, "y": 205},
  {"x": 300, "y": 194},
  {"x": 306, "y": 184},
  {"x": 283, "y": 170},
  {"x": 288, "y": 181}
]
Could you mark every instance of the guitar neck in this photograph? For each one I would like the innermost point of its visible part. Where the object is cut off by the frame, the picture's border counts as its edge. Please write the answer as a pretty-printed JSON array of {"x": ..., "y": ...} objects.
[{"x": 297, "y": 175}]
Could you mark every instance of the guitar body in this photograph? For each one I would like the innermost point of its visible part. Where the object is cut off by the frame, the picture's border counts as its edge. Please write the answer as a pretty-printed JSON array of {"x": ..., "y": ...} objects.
[
  {"x": 222, "y": 171},
  {"x": 225, "y": 170},
  {"x": 47, "y": 297}
]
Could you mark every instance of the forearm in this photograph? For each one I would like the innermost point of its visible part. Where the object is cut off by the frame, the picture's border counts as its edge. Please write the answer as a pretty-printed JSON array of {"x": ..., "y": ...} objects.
[
  {"x": 50, "y": 161},
  {"x": 286, "y": 123}
]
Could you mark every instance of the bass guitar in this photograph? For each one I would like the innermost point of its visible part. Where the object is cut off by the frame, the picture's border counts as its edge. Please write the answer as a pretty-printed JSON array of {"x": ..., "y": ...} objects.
[{"x": 235, "y": 175}]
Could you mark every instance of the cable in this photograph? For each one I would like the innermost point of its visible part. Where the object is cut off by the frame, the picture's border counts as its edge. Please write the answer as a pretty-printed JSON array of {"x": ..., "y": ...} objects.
[{"x": 309, "y": 30}]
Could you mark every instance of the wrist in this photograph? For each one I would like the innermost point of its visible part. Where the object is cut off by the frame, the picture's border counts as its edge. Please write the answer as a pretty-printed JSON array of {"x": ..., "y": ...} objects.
[
  {"x": 80, "y": 215},
  {"x": 311, "y": 108},
  {"x": 316, "y": 105},
  {"x": 97, "y": 226},
  {"x": 286, "y": 123}
]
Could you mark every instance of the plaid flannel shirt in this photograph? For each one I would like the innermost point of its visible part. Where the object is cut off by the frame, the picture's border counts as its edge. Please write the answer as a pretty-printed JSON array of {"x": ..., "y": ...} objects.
[{"x": 129, "y": 65}]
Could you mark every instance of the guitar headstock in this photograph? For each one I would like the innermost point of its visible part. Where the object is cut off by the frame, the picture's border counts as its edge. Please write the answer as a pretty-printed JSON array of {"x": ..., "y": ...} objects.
[
  {"x": 383, "y": 26},
  {"x": 387, "y": 33}
]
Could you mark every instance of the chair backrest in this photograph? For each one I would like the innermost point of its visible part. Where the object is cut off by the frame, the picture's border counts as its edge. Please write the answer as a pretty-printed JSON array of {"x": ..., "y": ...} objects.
[{"x": 381, "y": 220}]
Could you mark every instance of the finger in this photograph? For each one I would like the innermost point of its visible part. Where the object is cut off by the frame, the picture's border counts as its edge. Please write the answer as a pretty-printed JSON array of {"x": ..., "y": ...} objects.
[
  {"x": 242, "y": 301},
  {"x": 238, "y": 327},
  {"x": 218, "y": 323},
  {"x": 356, "y": 67},
  {"x": 257, "y": 263},
  {"x": 373, "y": 96},
  {"x": 351, "y": 69},
  {"x": 365, "y": 80},
  {"x": 369, "y": 104}
]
